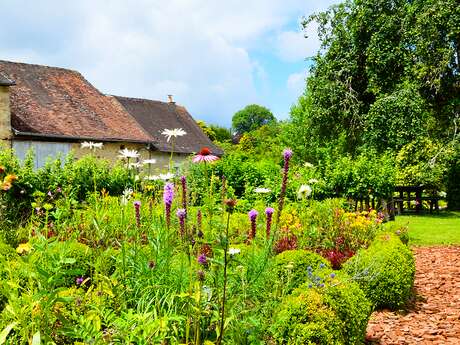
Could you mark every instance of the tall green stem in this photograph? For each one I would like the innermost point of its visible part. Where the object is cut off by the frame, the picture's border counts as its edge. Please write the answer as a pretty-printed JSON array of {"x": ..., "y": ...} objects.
[{"x": 224, "y": 293}]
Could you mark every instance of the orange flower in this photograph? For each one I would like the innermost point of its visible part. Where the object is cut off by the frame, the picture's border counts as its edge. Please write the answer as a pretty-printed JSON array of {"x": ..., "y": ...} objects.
[
  {"x": 6, "y": 186},
  {"x": 2, "y": 169},
  {"x": 10, "y": 178}
]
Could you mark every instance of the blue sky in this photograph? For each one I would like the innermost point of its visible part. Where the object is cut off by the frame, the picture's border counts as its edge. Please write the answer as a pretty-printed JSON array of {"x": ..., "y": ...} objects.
[{"x": 215, "y": 57}]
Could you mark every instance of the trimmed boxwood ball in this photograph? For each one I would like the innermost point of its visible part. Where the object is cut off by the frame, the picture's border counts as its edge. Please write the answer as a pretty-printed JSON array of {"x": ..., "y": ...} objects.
[
  {"x": 346, "y": 299},
  {"x": 304, "y": 318},
  {"x": 385, "y": 271},
  {"x": 291, "y": 267}
]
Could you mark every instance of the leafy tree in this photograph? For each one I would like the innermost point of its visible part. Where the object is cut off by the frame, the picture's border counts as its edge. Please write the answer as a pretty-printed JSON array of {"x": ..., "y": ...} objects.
[
  {"x": 251, "y": 117},
  {"x": 221, "y": 133},
  {"x": 206, "y": 129},
  {"x": 375, "y": 56}
]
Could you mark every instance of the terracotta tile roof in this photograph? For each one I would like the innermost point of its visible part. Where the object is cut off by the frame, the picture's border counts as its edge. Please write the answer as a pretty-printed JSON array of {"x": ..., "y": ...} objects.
[
  {"x": 155, "y": 116},
  {"x": 60, "y": 102}
]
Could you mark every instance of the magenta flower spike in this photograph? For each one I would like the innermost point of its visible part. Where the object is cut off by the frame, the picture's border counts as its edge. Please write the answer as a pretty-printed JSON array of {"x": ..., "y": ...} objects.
[
  {"x": 137, "y": 208},
  {"x": 269, "y": 213},
  {"x": 202, "y": 259},
  {"x": 287, "y": 154},
  {"x": 253, "y": 218},
  {"x": 181, "y": 214},
  {"x": 168, "y": 195},
  {"x": 184, "y": 193}
]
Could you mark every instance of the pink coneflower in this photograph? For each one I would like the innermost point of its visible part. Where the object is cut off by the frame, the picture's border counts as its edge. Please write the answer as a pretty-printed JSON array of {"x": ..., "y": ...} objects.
[
  {"x": 269, "y": 213},
  {"x": 184, "y": 193},
  {"x": 287, "y": 154},
  {"x": 253, "y": 218},
  {"x": 181, "y": 213},
  {"x": 168, "y": 195},
  {"x": 137, "y": 208},
  {"x": 205, "y": 155}
]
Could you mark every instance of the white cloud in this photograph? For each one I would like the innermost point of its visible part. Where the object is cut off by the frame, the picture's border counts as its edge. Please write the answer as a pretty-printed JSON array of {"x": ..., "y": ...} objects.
[
  {"x": 295, "y": 46},
  {"x": 197, "y": 50},
  {"x": 296, "y": 83}
]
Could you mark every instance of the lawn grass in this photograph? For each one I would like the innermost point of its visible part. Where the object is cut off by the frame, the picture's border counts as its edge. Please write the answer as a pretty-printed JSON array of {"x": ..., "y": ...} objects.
[{"x": 431, "y": 229}]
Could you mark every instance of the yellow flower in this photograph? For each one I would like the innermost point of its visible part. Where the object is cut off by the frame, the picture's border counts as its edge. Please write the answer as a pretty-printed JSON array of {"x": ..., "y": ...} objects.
[
  {"x": 10, "y": 178},
  {"x": 6, "y": 186},
  {"x": 24, "y": 248}
]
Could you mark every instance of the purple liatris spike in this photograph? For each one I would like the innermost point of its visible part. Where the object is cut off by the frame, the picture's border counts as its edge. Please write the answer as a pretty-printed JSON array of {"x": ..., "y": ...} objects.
[
  {"x": 253, "y": 218},
  {"x": 202, "y": 259},
  {"x": 168, "y": 195},
  {"x": 269, "y": 213},
  {"x": 137, "y": 209},
  {"x": 184, "y": 193},
  {"x": 181, "y": 214},
  {"x": 199, "y": 221},
  {"x": 287, "y": 154}
]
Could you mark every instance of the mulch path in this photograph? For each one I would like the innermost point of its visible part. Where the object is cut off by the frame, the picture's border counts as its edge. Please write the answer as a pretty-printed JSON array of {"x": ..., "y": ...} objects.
[{"x": 434, "y": 315}]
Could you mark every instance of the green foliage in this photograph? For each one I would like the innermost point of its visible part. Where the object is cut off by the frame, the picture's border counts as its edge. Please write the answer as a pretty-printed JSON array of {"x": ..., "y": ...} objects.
[
  {"x": 387, "y": 73},
  {"x": 251, "y": 117},
  {"x": 291, "y": 267},
  {"x": 306, "y": 319},
  {"x": 385, "y": 271},
  {"x": 453, "y": 182},
  {"x": 346, "y": 299},
  {"x": 422, "y": 162}
]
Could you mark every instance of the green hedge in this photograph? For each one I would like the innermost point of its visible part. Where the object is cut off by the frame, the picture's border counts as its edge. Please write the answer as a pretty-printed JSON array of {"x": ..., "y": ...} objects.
[
  {"x": 327, "y": 309},
  {"x": 385, "y": 271},
  {"x": 292, "y": 267},
  {"x": 453, "y": 183}
]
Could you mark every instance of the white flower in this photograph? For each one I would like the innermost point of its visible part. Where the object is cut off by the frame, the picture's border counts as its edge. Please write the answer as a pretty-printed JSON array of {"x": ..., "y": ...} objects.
[
  {"x": 312, "y": 181},
  {"x": 262, "y": 190},
  {"x": 176, "y": 132},
  {"x": 304, "y": 191},
  {"x": 149, "y": 161},
  {"x": 125, "y": 153},
  {"x": 152, "y": 177},
  {"x": 127, "y": 193},
  {"x": 308, "y": 165},
  {"x": 233, "y": 251},
  {"x": 134, "y": 165},
  {"x": 91, "y": 145},
  {"x": 166, "y": 176},
  {"x": 442, "y": 194}
]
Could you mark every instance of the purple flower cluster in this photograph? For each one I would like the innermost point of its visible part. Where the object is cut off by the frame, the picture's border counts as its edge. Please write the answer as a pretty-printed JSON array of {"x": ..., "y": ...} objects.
[
  {"x": 137, "y": 209},
  {"x": 202, "y": 259},
  {"x": 253, "y": 218},
  {"x": 269, "y": 213},
  {"x": 168, "y": 195},
  {"x": 181, "y": 214}
]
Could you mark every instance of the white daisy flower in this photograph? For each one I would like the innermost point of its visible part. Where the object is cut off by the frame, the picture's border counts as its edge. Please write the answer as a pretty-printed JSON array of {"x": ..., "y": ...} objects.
[
  {"x": 125, "y": 153},
  {"x": 166, "y": 176},
  {"x": 91, "y": 145},
  {"x": 262, "y": 190},
  {"x": 176, "y": 132},
  {"x": 152, "y": 178},
  {"x": 304, "y": 191},
  {"x": 313, "y": 181},
  {"x": 149, "y": 161},
  {"x": 233, "y": 251},
  {"x": 308, "y": 165}
]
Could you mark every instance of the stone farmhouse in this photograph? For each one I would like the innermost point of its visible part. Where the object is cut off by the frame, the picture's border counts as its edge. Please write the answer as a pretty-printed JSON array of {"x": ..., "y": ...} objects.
[{"x": 53, "y": 110}]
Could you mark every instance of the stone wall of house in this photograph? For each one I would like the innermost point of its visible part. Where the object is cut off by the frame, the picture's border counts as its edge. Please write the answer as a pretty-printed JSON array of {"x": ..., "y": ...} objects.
[
  {"x": 5, "y": 116},
  {"x": 45, "y": 150},
  {"x": 111, "y": 152}
]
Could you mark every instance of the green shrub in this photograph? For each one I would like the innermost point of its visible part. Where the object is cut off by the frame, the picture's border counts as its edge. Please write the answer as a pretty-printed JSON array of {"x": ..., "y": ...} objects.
[
  {"x": 345, "y": 298},
  {"x": 453, "y": 183},
  {"x": 385, "y": 271},
  {"x": 306, "y": 319},
  {"x": 291, "y": 267}
]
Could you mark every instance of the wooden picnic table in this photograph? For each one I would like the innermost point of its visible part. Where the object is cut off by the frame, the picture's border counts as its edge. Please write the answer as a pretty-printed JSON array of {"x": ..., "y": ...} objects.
[{"x": 407, "y": 194}]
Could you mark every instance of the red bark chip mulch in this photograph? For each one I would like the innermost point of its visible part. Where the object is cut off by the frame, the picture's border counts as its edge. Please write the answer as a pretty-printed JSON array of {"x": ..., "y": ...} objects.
[{"x": 434, "y": 316}]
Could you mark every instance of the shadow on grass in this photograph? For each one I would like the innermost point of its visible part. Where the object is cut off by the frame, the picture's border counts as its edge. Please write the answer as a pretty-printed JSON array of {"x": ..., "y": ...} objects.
[{"x": 426, "y": 214}]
